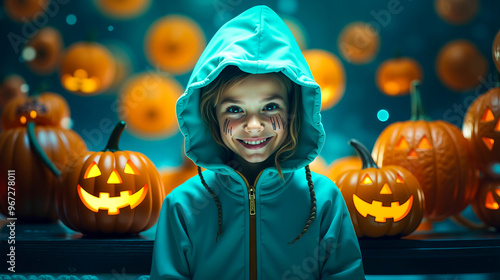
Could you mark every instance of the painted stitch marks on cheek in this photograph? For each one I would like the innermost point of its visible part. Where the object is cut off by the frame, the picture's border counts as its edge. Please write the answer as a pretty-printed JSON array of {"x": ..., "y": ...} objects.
[
  {"x": 226, "y": 128},
  {"x": 277, "y": 122}
]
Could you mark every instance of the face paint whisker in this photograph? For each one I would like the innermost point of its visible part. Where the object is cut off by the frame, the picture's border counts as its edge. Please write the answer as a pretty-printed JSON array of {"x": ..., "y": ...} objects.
[
  {"x": 224, "y": 128},
  {"x": 282, "y": 121},
  {"x": 273, "y": 122}
]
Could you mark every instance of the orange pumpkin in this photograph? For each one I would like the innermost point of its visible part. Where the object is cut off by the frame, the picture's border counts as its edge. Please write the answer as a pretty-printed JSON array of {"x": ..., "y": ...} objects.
[
  {"x": 12, "y": 86},
  {"x": 174, "y": 43},
  {"x": 486, "y": 205},
  {"x": 385, "y": 201},
  {"x": 437, "y": 154},
  {"x": 319, "y": 166},
  {"x": 26, "y": 9},
  {"x": 329, "y": 73},
  {"x": 459, "y": 64},
  {"x": 457, "y": 11},
  {"x": 343, "y": 165},
  {"x": 395, "y": 75},
  {"x": 48, "y": 46},
  {"x": 110, "y": 192},
  {"x": 123, "y": 9},
  {"x": 298, "y": 31},
  {"x": 44, "y": 109},
  {"x": 496, "y": 51},
  {"x": 358, "y": 42},
  {"x": 87, "y": 68},
  {"x": 174, "y": 177},
  {"x": 482, "y": 128},
  {"x": 35, "y": 182},
  {"x": 147, "y": 104}
]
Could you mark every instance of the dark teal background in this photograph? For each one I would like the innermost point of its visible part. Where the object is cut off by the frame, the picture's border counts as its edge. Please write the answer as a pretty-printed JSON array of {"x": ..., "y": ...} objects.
[{"x": 416, "y": 31}]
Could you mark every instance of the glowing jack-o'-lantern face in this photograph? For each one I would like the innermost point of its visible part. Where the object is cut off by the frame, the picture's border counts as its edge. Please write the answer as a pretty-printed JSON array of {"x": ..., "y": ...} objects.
[
  {"x": 486, "y": 204},
  {"x": 110, "y": 191},
  {"x": 385, "y": 201},
  {"x": 104, "y": 201},
  {"x": 482, "y": 128},
  {"x": 376, "y": 208},
  {"x": 423, "y": 144}
]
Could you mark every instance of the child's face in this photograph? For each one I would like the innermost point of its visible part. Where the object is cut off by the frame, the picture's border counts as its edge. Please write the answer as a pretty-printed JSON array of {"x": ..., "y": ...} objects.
[{"x": 252, "y": 117}]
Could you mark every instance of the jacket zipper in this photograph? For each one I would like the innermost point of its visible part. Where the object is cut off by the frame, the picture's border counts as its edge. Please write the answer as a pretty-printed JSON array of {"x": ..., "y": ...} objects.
[{"x": 253, "y": 235}]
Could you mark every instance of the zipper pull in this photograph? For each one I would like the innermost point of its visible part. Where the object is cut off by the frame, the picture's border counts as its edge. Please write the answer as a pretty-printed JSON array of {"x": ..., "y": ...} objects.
[{"x": 251, "y": 197}]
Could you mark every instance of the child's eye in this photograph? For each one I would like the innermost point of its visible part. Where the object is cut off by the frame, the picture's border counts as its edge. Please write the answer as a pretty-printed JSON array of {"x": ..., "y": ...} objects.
[
  {"x": 234, "y": 109},
  {"x": 271, "y": 106}
]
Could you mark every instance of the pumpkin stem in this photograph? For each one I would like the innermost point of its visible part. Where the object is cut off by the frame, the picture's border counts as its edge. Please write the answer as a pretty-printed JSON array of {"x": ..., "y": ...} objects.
[
  {"x": 39, "y": 151},
  {"x": 417, "y": 109},
  {"x": 112, "y": 144},
  {"x": 364, "y": 154}
]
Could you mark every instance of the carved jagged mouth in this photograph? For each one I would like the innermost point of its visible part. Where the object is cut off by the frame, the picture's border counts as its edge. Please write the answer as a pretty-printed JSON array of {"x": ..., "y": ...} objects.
[
  {"x": 380, "y": 212},
  {"x": 112, "y": 204}
]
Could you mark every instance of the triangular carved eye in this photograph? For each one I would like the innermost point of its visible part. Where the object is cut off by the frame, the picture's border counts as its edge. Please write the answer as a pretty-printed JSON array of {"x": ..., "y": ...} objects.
[
  {"x": 490, "y": 203},
  {"x": 366, "y": 180},
  {"x": 399, "y": 179},
  {"x": 424, "y": 144},
  {"x": 130, "y": 168},
  {"x": 489, "y": 142},
  {"x": 92, "y": 171},
  {"x": 497, "y": 127},
  {"x": 487, "y": 116},
  {"x": 402, "y": 144}
]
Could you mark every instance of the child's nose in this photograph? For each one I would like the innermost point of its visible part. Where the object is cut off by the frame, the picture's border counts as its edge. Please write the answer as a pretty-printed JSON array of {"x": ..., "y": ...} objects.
[{"x": 254, "y": 124}]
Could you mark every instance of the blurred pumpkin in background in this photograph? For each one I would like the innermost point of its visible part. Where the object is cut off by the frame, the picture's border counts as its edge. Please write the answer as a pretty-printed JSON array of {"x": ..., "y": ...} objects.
[
  {"x": 88, "y": 68},
  {"x": 174, "y": 176},
  {"x": 457, "y": 11},
  {"x": 110, "y": 191},
  {"x": 25, "y": 9},
  {"x": 174, "y": 43},
  {"x": 329, "y": 73},
  {"x": 486, "y": 205},
  {"x": 358, "y": 42},
  {"x": 31, "y": 130},
  {"x": 122, "y": 9},
  {"x": 147, "y": 104},
  {"x": 47, "y": 45},
  {"x": 343, "y": 165},
  {"x": 496, "y": 50},
  {"x": 459, "y": 65},
  {"x": 395, "y": 75},
  {"x": 12, "y": 86},
  {"x": 482, "y": 128},
  {"x": 386, "y": 201},
  {"x": 437, "y": 154},
  {"x": 319, "y": 166}
]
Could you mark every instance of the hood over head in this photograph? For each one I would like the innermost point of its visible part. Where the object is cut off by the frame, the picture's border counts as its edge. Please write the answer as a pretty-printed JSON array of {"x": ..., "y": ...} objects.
[{"x": 257, "y": 41}]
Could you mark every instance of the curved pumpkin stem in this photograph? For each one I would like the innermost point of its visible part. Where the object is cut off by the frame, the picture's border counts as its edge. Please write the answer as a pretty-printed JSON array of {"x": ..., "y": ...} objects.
[
  {"x": 39, "y": 151},
  {"x": 364, "y": 154},
  {"x": 417, "y": 109},
  {"x": 112, "y": 144}
]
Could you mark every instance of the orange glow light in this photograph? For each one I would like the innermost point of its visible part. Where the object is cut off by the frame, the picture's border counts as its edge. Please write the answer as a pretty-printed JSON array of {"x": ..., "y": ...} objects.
[
  {"x": 386, "y": 189},
  {"x": 366, "y": 180},
  {"x": 114, "y": 178},
  {"x": 424, "y": 144},
  {"x": 490, "y": 202},
  {"x": 402, "y": 144},
  {"x": 487, "y": 116},
  {"x": 489, "y": 142}
]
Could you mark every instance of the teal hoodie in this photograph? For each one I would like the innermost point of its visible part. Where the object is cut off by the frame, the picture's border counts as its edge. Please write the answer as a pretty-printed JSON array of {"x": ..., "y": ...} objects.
[{"x": 257, "y": 41}]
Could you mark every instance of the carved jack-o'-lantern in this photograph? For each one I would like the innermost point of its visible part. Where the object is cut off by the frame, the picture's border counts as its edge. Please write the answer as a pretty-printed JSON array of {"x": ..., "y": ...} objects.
[
  {"x": 343, "y": 165},
  {"x": 44, "y": 109},
  {"x": 358, "y": 42},
  {"x": 486, "y": 205},
  {"x": 329, "y": 73},
  {"x": 437, "y": 154},
  {"x": 482, "y": 128},
  {"x": 110, "y": 192},
  {"x": 174, "y": 43},
  {"x": 385, "y": 201},
  {"x": 87, "y": 68}
]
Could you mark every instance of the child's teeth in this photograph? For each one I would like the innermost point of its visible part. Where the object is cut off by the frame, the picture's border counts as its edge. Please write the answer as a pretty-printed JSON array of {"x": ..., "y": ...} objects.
[{"x": 254, "y": 142}]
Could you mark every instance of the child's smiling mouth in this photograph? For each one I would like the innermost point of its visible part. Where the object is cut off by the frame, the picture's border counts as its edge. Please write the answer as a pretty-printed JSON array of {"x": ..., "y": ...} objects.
[{"x": 254, "y": 143}]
